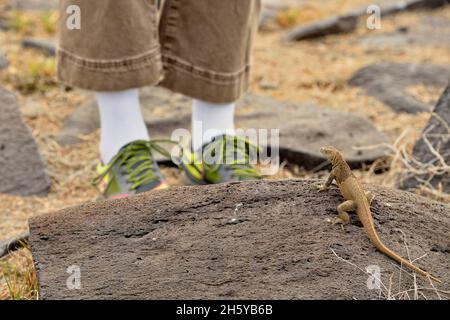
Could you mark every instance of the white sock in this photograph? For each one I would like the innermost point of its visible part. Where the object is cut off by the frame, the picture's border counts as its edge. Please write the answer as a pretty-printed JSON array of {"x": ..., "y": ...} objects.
[
  {"x": 210, "y": 120},
  {"x": 121, "y": 121}
]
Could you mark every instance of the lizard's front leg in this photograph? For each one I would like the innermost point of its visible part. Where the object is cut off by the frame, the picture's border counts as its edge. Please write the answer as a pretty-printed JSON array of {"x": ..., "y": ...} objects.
[
  {"x": 343, "y": 209},
  {"x": 328, "y": 183}
]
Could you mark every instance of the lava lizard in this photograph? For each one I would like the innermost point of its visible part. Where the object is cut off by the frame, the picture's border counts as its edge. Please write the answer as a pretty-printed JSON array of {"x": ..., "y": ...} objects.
[{"x": 356, "y": 199}]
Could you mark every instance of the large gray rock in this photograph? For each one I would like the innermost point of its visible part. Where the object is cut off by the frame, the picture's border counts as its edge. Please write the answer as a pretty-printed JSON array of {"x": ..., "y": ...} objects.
[
  {"x": 39, "y": 5},
  {"x": 431, "y": 32},
  {"x": 410, "y": 5},
  {"x": 304, "y": 128},
  {"x": 437, "y": 132},
  {"x": 348, "y": 22},
  {"x": 252, "y": 240},
  {"x": 22, "y": 168},
  {"x": 332, "y": 25},
  {"x": 388, "y": 82},
  {"x": 13, "y": 244},
  {"x": 44, "y": 46}
]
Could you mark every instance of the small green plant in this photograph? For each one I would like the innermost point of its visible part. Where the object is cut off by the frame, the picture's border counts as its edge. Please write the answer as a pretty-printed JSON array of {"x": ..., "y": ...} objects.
[
  {"x": 49, "y": 21},
  {"x": 42, "y": 68},
  {"x": 38, "y": 75},
  {"x": 20, "y": 23}
]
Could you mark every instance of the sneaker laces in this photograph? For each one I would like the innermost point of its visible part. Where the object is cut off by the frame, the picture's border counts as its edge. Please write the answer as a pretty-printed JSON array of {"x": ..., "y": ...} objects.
[
  {"x": 233, "y": 151},
  {"x": 137, "y": 161}
]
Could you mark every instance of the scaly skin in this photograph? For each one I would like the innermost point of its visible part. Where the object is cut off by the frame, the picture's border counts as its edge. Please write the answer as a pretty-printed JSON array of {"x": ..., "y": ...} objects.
[{"x": 359, "y": 200}]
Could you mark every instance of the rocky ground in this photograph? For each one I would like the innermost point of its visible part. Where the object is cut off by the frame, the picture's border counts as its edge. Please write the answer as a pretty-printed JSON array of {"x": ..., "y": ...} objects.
[{"x": 336, "y": 74}]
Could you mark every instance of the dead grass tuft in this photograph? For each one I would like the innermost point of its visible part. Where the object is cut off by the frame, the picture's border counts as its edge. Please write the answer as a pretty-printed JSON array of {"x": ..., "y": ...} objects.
[
  {"x": 18, "y": 279},
  {"x": 405, "y": 291},
  {"x": 404, "y": 164}
]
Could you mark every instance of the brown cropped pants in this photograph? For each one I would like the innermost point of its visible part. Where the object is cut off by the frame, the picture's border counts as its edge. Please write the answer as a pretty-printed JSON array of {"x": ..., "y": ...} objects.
[{"x": 200, "y": 48}]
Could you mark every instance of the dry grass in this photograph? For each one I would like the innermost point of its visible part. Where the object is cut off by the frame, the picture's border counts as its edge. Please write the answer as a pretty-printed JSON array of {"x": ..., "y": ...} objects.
[
  {"x": 415, "y": 293},
  {"x": 322, "y": 80},
  {"x": 403, "y": 163},
  {"x": 17, "y": 277},
  {"x": 386, "y": 291}
]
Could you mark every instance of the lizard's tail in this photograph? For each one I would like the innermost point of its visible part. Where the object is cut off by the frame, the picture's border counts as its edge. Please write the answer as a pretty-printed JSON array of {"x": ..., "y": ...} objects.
[{"x": 380, "y": 246}]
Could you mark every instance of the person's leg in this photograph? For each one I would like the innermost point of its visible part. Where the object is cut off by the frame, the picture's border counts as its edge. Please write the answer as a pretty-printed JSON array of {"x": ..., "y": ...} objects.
[
  {"x": 210, "y": 120},
  {"x": 115, "y": 50},
  {"x": 206, "y": 46},
  {"x": 121, "y": 121}
]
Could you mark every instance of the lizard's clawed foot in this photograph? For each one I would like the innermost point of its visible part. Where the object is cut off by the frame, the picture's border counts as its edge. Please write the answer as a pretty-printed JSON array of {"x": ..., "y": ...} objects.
[
  {"x": 322, "y": 188},
  {"x": 339, "y": 221}
]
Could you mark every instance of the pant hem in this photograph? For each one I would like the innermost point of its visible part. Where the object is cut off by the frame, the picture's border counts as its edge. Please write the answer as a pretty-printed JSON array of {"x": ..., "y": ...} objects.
[
  {"x": 109, "y": 75},
  {"x": 202, "y": 84}
]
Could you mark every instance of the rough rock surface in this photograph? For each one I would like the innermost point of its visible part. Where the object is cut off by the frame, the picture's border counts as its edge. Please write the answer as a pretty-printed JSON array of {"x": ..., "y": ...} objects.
[
  {"x": 252, "y": 240},
  {"x": 348, "y": 22},
  {"x": 332, "y": 25},
  {"x": 410, "y": 5},
  {"x": 437, "y": 132},
  {"x": 431, "y": 32},
  {"x": 388, "y": 83},
  {"x": 22, "y": 168},
  {"x": 304, "y": 128},
  {"x": 9, "y": 245}
]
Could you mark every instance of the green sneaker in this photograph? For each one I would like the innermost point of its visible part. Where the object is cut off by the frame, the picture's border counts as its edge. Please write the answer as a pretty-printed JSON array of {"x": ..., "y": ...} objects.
[
  {"x": 133, "y": 170},
  {"x": 225, "y": 159}
]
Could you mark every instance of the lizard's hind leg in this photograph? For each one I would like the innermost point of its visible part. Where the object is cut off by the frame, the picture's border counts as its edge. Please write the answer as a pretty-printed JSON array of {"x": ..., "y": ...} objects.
[{"x": 343, "y": 209}]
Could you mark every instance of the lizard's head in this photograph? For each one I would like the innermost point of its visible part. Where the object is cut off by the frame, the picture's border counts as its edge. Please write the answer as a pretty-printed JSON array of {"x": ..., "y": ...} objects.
[{"x": 331, "y": 153}]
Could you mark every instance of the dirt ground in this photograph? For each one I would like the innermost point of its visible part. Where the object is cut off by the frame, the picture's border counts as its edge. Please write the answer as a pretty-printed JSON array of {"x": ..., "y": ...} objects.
[{"x": 315, "y": 71}]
